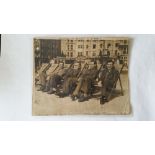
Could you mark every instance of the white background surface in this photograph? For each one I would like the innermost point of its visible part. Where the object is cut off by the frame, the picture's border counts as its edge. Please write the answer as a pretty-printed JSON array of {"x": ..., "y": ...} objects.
[
  {"x": 16, "y": 80},
  {"x": 68, "y": 138}
]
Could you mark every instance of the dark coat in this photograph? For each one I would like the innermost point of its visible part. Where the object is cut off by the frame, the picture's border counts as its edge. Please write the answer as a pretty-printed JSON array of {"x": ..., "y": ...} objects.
[
  {"x": 85, "y": 81},
  {"x": 70, "y": 80},
  {"x": 109, "y": 76}
]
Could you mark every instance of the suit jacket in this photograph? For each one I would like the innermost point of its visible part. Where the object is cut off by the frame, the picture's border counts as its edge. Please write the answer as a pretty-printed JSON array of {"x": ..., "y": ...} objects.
[
  {"x": 51, "y": 69},
  {"x": 89, "y": 73},
  {"x": 110, "y": 76},
  {"x": 72, "y": 73}
]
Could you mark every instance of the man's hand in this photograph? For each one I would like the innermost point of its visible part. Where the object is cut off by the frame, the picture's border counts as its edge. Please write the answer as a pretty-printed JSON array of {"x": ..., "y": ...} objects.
[
  {"x": 48, "y": 77},
  {"x": 99, "y": 83}
]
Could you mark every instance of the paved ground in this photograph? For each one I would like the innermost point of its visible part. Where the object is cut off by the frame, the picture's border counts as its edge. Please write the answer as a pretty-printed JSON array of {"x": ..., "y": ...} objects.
[{"x": 45, "y": 104}]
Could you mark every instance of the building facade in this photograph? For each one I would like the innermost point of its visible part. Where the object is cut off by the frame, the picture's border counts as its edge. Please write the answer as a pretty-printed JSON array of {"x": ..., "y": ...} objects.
[
  {"x": 95, "y": 47},
  {"x": 46, "y": 49}
]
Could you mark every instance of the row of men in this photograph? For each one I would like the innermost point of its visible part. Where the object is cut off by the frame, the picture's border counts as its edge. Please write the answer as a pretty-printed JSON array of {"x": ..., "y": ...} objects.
[{"x": 77, "y": 81}]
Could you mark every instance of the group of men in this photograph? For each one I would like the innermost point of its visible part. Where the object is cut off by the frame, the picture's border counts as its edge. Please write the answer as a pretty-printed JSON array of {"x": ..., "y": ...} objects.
[{"x": 77, "y": 80}]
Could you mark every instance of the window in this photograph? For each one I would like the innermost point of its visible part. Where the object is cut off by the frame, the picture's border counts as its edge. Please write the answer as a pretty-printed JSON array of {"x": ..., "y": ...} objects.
[
  {"x": 125, "y": 41},
  {"x": 79, "y": 53},
  {"x": 86, "y": 53},
  {"x": 124, "y": 52},
  {"x": 100, "y": 45},
  {"x": 71, "y": 47},
  {"x": 117, "y": 44},
  {"x": 68, "y": 47},
  {"x": 94, "y": 46},
  {"x": 87, "y": 46},
  {"x": 108, "y": 53},
  {"x": 71, "y": 54},
  {"x": 108, "y": 45},
  {"x": 80, "y": 46},
  {"x": 94, "y": 54},
  {"x": 115, "y": 52}
]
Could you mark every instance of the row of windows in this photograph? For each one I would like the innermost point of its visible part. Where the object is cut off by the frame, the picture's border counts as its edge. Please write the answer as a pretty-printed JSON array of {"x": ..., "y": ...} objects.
[
  {"x": 88, "y": 40},
  {"x": 81, "y": 54},
  {"x": 80, "y": 46},
  {"x": 87, "y": 46},
  {"x": 101, "y": 46},
  {"x": 70, "y": 41},
  {"x": 70, "y": 47},
  {"x": 124, "y": 58},
  {"x": 120, "y": 41},
  {"x": 70, "y": 54}
]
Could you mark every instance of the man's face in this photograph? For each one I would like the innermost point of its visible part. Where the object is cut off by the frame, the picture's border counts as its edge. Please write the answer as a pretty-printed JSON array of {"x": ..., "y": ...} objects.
[
  {"x": 52, "y": 62},
  {"x": 109, "y": 65},
  {"x": 61, "y": 65},
  {"x": 76, "y": 66},
  {"x": 91, "y": 66}
]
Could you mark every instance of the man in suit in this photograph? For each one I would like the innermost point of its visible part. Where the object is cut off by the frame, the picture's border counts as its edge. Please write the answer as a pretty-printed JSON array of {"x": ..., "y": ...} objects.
[
  {"x": 70, "y": 80},
  {"x": 55, "y": 79},
  {"x": 108, "y": 77},
  {"x": 45, "y": 73},
  {"x": 84, "y": 85}
]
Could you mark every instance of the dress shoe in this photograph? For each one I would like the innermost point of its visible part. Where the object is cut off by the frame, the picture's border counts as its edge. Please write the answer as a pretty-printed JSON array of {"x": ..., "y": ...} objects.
[
  {"x": 73, "y": 97},
  {"x": 103, "y": 100},
  {"x": 82, "y": 98},
  {"x": 51, "y": 91},
  {"x": 61, "y": 94},
  {"x": 46, "y": 89},
  {"x": 41, "y": 88}
]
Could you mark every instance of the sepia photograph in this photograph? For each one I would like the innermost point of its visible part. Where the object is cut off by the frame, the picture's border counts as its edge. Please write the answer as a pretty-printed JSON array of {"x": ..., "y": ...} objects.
[{"x": 81, "y": 75}]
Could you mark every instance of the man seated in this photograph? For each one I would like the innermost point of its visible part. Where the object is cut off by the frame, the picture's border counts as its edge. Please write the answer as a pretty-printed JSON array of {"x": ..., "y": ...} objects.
[
  {"x": 45, "y": 72},
  {"x": 55, "y": 79},
  {"x": 108, "y": 77},
  {"x": 84, "y": 84},
  {"x": 70, "y": 80}
]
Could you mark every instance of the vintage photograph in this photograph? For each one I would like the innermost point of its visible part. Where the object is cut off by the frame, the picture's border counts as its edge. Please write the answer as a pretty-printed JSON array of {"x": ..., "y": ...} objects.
[{"x": 81, "y": 75}]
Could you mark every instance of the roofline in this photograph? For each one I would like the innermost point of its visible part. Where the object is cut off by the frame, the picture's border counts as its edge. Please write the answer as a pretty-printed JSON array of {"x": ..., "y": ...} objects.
[{"x": 83, "y": 37}]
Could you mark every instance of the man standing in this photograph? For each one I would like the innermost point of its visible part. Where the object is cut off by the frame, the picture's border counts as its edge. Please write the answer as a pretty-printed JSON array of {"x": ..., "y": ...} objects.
[{"x": 108, "y": 77}]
